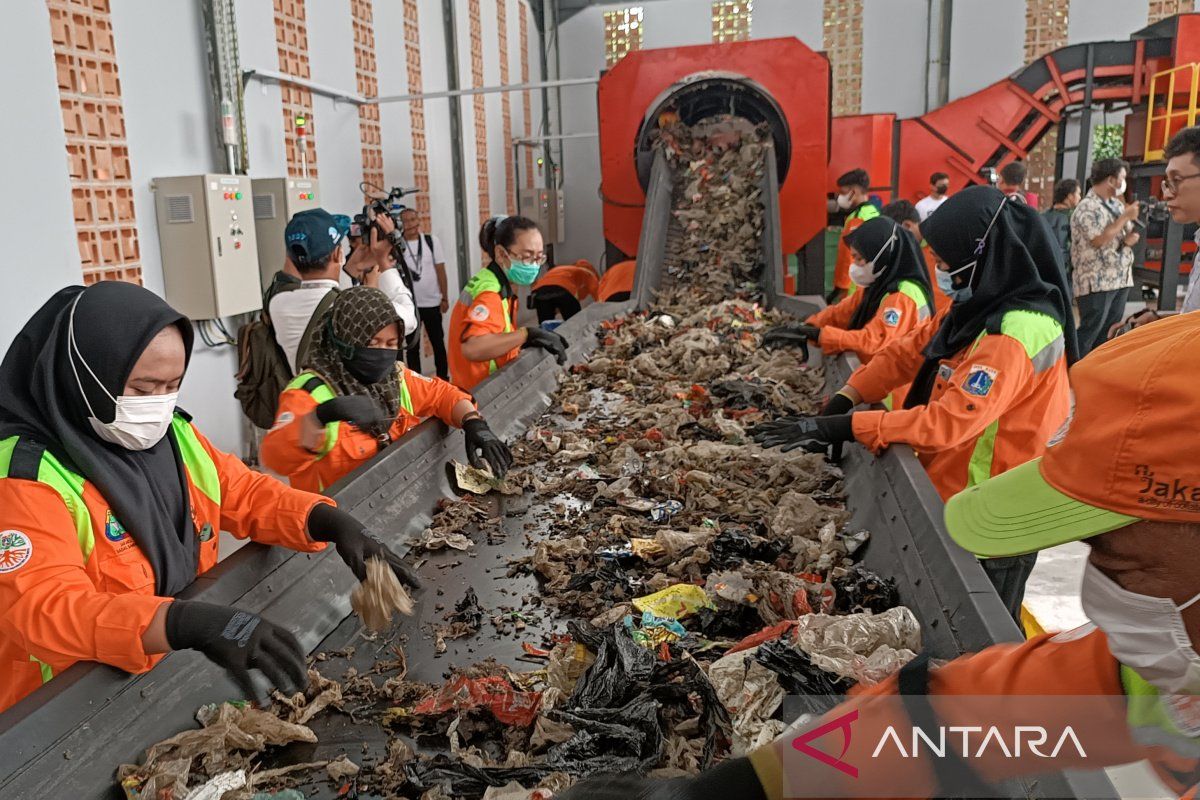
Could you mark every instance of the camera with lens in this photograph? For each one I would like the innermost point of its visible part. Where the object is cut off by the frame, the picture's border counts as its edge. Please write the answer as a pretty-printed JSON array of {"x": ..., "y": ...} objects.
[
  {"x": 1152, "y": 210},
  {"x": 380, "y": 203}
]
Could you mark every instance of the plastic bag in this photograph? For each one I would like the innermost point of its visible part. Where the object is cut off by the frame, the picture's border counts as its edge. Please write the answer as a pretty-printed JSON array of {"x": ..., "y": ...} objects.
[
  {"x": 861, "y": 589},
  {"x": 654, "y": 631},
  {"x": 620, "y": 666},
  {"x": 797, "y": 672},
  {"x": 493, "y": 693},
  {"x": 863, "y": 647},
  {"x": 749, "y": 691},
  {"x": 675, "y": 602}
]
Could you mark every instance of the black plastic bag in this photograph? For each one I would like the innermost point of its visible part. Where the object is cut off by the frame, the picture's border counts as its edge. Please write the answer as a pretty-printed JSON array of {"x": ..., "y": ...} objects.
[
  {"x": 861, "y": 589},
  {"x": 620, "y": 672},
  {"x": 609, "y": 739},
  {"x": 460, "y": 779},
  {"x": 733, "y": 546},
  {"x": 797, "y": 674}
]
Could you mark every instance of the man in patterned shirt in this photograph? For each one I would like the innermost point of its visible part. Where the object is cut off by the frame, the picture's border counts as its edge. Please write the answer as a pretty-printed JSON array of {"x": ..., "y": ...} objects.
[{"x": 1102, "y": 238}]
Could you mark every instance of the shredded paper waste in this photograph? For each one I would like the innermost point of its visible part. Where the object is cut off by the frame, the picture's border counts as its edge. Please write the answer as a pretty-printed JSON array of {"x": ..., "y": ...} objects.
[{"x": 693, "y": 578}]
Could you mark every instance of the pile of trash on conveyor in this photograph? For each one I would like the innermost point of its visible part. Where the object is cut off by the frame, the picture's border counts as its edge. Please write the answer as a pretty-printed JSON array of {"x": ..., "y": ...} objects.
[{"x": 695, "y": 577}]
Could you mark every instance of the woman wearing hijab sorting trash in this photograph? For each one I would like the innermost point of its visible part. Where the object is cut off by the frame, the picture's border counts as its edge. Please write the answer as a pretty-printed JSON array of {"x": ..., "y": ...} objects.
[
  {"x": 989, "y": 385},
  {"x": 895, "y": 296},
  {"x": 483, "y": 332},
  {"x": 111, "y": 502},
  {"x": 353, "y": 398}
]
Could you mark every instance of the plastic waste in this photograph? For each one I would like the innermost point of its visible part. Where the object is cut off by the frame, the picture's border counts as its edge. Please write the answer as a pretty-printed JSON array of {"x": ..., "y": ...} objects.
[{"x": 675, "y": 602}]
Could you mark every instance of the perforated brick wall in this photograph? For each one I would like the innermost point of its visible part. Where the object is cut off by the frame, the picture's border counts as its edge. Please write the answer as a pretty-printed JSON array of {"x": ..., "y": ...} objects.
[
  {"x": 420, "y": 152},
  {"x": 365, "y": 71},
  {"x": 731, "y": 20},
  {"x": 1161, "y": 9},
  {"x": 480, "y": 112},
  {"x": 89, "y": 90},
  {"x": 843, "y": 44},
  {"x": 510, "y": 180},
  {"x": 622, "y": 33},
  {"x": 526, "y": 99},
  {"x": 291, "y": 42},
  {"x": 1046, "y": 23}
]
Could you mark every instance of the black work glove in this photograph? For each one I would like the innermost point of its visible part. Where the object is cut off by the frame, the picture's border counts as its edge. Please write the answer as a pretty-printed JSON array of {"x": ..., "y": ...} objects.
[
  {"x": 359, "y": 410},
  {"x": 239, "y": 641},
  {"x": 792, "y": 335},
  {"x": 838, "y": 404},
  {"x": 328, "y": 523},
  {"x": 551, "y": 341},
  {"x": 814, "y": 434},
  {"x": 734, "y": 779},
  {"x": 483, "y": 446}
]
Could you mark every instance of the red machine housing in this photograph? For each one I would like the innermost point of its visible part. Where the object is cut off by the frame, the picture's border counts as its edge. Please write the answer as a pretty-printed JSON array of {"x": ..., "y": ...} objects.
[{"x": 784, "y": 73}]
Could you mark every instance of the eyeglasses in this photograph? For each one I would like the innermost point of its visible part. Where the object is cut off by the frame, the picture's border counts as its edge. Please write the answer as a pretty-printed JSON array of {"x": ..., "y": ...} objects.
[
  {"x": 1172, "y": 184},
  {"x": 528, "y": 258}
]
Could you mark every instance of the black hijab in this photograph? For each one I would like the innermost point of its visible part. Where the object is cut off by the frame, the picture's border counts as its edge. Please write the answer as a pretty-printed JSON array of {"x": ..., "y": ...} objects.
[
  {"x": 1019, "y": 267},
  {"x": 897, "y": 256},
  {"x": 147, "y": 489},
  {"x": 352, "y": 321}
]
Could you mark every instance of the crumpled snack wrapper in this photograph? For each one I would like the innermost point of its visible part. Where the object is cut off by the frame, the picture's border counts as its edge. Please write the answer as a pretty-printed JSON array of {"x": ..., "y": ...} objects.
[
  {"x": 477, "y": 481},
  {"x": 380, "y": 597},
  {"x": 864, "y": 647}
]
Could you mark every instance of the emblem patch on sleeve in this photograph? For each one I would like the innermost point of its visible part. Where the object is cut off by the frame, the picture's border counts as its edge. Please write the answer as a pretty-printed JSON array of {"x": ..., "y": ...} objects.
[
  {"x": 15, "y": 549},
  {"x": 891, "y": 317},
  {"x": 980, "y": 380},
  {"x": 479, "y": 313}
]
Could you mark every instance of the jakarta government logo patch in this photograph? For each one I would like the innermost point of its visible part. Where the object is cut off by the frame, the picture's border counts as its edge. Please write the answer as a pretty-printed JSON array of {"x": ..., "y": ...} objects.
[
  {"x": 114, "y": 531},
  {"x": 979, "y": 381},
  {"x": 15, "y": 549},
  {"x": 891, "y": 317}
]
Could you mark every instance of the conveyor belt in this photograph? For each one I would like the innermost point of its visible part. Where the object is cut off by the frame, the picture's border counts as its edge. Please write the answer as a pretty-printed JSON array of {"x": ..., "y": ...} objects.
[{"x": 67, "y": 739}]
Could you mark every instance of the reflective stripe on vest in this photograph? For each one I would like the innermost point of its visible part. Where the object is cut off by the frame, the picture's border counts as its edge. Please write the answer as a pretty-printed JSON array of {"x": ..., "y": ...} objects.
[
  {"x": 1042, "y": 338},
  {"x": 1149, "y": 720},
  {"x": 914, "y": 292},
  {"x": 486, "y": 281},
  {"x": 200, "y": 467},
  {"x": 321, "y": 394}
]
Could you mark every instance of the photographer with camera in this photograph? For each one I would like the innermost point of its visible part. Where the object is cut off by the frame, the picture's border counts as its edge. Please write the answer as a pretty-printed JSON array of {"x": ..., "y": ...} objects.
[
  {"x": 1102, "y": 240},
  {"x": 373, "y": 263},
  {"x": 422, "y": 253}
]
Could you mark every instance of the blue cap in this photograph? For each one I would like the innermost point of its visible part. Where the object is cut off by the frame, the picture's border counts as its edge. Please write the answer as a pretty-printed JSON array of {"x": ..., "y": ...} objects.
[{"x": 312, "y": 235}]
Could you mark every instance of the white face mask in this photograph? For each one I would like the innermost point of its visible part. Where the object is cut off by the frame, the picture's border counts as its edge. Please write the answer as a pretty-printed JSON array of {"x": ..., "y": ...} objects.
[
  {"x": 843, "y": 201},
  {"x": 1144, "y": 633},
  {"x": 1121, "y": 188},
  {"x": 139, "y": 422},
  {"x": 865, "y": 274}
]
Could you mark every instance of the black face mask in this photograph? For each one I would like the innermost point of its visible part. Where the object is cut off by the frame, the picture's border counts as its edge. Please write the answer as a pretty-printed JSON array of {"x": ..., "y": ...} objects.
[
  {"x": 370, "y": 365},
  {"x": 942, "y": 188}
]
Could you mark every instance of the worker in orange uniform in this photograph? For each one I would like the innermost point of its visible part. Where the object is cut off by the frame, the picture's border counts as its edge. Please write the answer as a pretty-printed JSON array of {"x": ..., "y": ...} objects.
[
  {"x": 483, "y": 333},
  {"x": 853, "y": 200},
  {"x": 895, "y": 296},
  {"x": 904, "y": 212},
  {"x": 352, "y": 398},
  {"x": 1127, "y": 683},
  {"x": 989, "y": 385},
  {"x": 112, "y": 502},
  {"x": 562, "y": 290},
  {"x": 616, "y": 284}
]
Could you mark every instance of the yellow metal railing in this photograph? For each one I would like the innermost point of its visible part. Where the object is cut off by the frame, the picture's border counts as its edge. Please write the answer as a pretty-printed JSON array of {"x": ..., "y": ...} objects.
[{"x": 1156, "y": 142}]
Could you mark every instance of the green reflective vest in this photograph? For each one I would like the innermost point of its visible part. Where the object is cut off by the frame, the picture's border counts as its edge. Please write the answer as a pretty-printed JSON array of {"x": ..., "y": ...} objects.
[
  {"x": 486, "y": 281},
  {"x": 316, "y": 387},
  {"x": 29, "y": 461}
]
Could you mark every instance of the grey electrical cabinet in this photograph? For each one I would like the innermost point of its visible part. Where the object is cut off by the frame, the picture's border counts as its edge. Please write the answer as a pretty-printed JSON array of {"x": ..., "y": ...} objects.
[
  {"x": 545, "y": 207},
  {"x": 276, "y": 200},
  {"x": 209, "y": 253}
]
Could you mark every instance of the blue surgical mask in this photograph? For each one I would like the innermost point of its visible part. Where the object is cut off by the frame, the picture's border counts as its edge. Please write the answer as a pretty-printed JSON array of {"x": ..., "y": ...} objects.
[
  {"x": 945, "y": 282},
  {"x": 523, "y": 273}
]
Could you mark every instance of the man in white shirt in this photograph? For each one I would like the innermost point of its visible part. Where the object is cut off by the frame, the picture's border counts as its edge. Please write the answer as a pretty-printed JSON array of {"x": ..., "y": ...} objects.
[
  {"x": 939, "y": 184},
  {"x": 314, "y": 246},
  {"x": 423, "y": 254}
]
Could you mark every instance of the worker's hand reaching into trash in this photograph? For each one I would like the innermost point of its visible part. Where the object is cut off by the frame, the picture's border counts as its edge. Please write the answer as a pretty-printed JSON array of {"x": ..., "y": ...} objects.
[
  {"x": 358, "y": 410},
  {"x": 547, "y": 340},
  {"x": 840, "y": 403},
  {"x": 791, "y": 335},
  {"x": 814, "y": 434},
  {"x": 239, "y": 641},
  {"x": 328, "y": 523},
  {"x": 485, "y": 447}
]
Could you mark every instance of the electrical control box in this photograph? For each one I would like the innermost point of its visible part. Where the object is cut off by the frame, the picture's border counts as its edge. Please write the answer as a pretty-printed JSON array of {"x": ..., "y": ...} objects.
[
  {"x": 545, "y": 207},
  {"x": 276, "y": 200},
  {"x": 209, "y": 253}
]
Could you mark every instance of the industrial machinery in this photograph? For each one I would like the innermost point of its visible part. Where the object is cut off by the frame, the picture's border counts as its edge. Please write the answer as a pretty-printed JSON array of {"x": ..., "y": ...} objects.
[
  {"x": 545, "y": 207},
  {"x": 276, "y": 200},
  {"x": 209, "y": 255}
]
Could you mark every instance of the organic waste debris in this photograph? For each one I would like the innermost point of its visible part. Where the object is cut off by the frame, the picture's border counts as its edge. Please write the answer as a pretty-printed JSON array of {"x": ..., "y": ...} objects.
[{"x": 674, "y": 580}]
